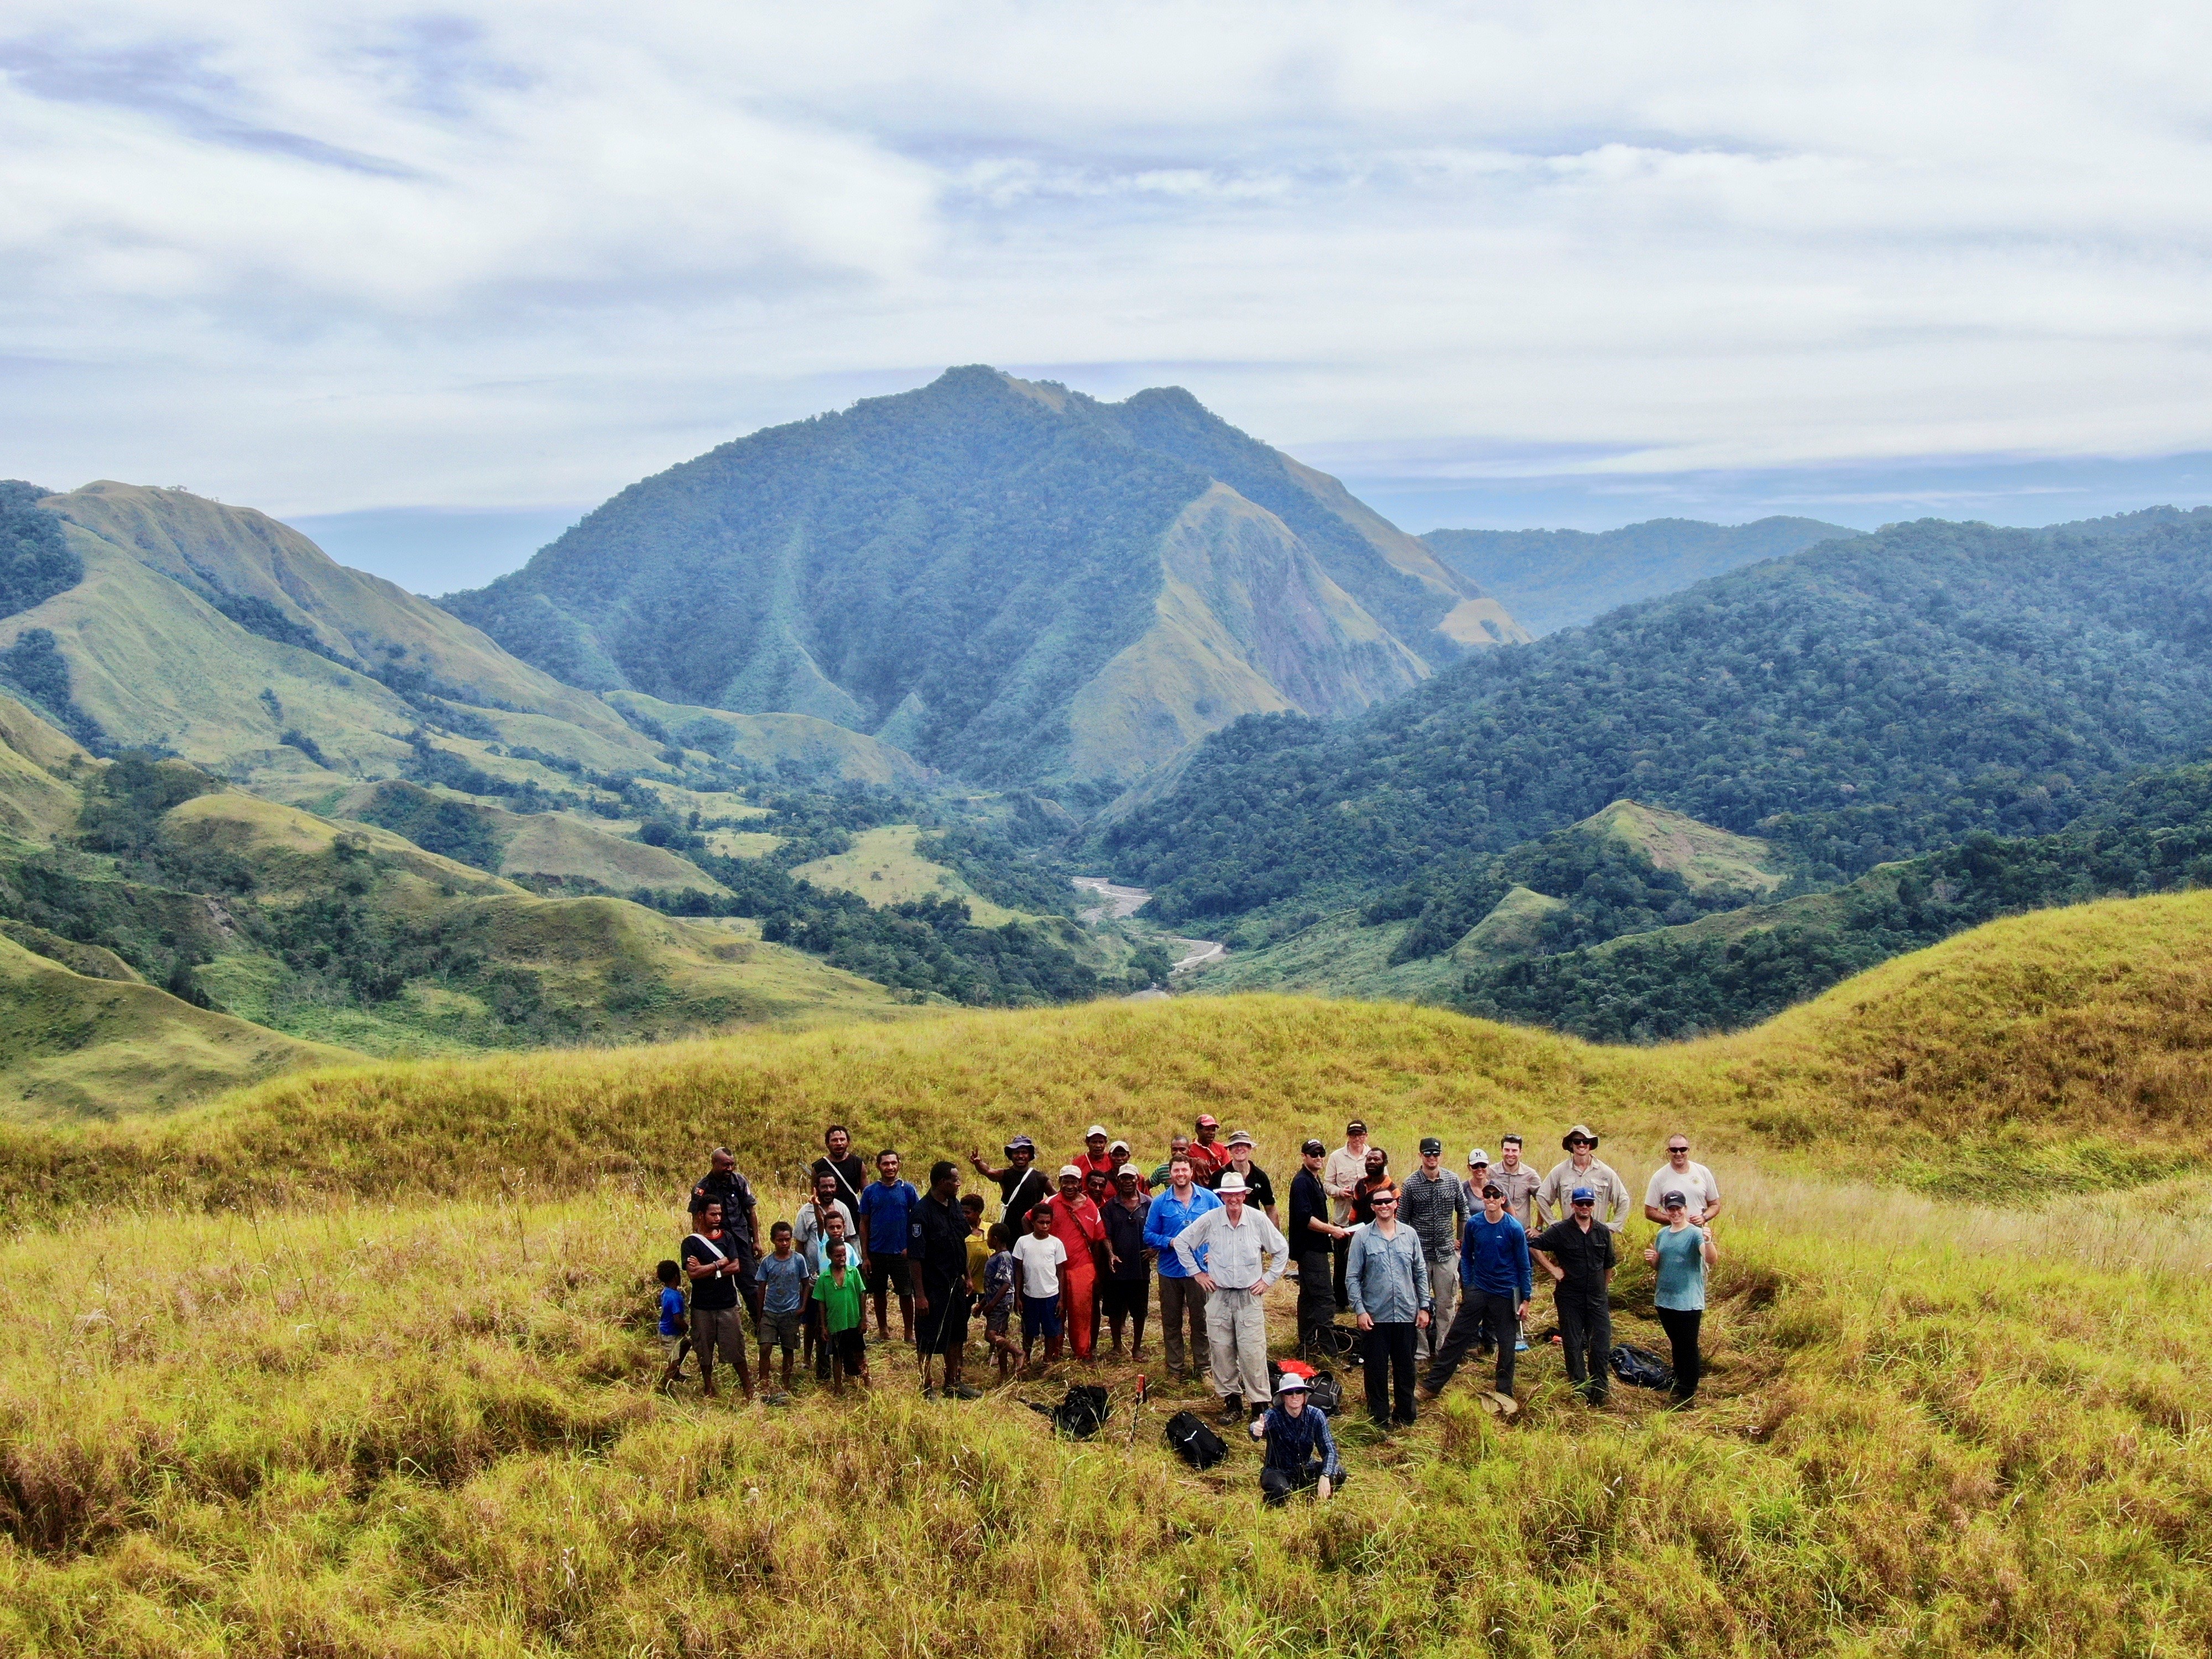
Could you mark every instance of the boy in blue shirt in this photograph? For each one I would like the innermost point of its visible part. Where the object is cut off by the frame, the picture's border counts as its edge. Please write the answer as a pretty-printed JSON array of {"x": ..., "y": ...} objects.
[
  {"x": 886, "y": 1209},
  {"x": 784, "y": 1277},
  {"x": 675, "y": 1333}
]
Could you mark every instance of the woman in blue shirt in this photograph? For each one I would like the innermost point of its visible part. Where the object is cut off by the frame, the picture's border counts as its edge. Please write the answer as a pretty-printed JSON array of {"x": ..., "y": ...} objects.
[{"x": 1681, "y": 1252}]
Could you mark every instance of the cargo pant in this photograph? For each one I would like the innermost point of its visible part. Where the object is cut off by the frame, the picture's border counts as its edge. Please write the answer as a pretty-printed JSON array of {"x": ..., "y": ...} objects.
[
  {"x": 1178, "y": 1296},
  {"x": 1586, "y": 1334},
  {"x": 1444, "y": 1286},
  {"x": 1237, "y": 1330}
]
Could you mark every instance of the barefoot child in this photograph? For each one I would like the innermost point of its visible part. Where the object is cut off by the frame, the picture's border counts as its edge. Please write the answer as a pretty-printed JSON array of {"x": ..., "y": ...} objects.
[
  {"x": 675, "y": 1331},
  {"x": 1038, "y": 1258},
  {"x": 997, "y": 1299},
  {"x": 842, "y": 1298},
  {"x": 784, "y": 1277}
]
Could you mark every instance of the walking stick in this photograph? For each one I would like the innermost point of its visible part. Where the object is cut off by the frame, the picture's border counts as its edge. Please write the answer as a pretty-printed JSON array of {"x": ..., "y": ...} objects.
[{"x": 1136, "y": 1407}]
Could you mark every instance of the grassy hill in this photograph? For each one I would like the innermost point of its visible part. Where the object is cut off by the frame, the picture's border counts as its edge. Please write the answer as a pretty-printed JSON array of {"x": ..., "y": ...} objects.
[
  {"x": 386, "y": 1387},
  {"x": 1008, "y": 579},
  {"x": 1555, "y": 579}
]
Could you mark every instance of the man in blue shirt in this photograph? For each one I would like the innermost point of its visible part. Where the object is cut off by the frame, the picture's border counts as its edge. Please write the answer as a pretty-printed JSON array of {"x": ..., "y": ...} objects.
[
  {"x": 1301, "y": 1453},
  {"x": 1495, "y": 1285},
  {"x": 1179, "y": 1204},
  {"x": 886, "y": 1211}
]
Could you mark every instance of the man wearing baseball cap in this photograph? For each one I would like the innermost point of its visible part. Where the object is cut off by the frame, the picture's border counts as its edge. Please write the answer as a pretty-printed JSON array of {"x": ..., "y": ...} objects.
[
  {"x": 1300, "y": 1451},
  {"x": 1580, "y": 1167},
  {"x": 1259, "y": 1191},
  {"x": 1081, "y": 1231},
  {"x": 1433, "y": 1203},
  {"x": 1209, "y": 1156},
  {"x": 1578, "y": 1253},
  {"x": 1343, "y": 1171},
  {"x": 1238, "y": 1244},
  {"x": 1096, "y": 1155},
  {"x": 1311, "y": 1234}
]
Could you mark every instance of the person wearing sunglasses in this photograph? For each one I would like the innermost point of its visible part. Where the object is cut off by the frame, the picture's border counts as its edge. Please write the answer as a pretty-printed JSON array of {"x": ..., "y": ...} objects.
[
  {"x": 1386, "y": 1275},
  {"x": 1580, "y": 1169},
  {"x": 1701, "y": 1193},
  {"x": 1578, "y": 1253}
]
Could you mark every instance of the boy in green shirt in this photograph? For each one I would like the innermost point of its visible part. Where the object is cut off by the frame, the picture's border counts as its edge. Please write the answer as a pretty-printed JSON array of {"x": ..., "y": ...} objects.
[{"x": 842, "y": 1295}]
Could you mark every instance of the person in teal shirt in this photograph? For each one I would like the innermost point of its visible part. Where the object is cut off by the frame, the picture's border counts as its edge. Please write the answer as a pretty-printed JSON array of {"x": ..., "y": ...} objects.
[{"x": 1681, "y": 1252}]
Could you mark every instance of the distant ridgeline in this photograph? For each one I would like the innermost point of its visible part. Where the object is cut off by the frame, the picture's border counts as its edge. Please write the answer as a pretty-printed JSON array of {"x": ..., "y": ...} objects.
[
  {"x": 1555, "y": 579},
  {"x": 1010, "y": 580},
  {"x": 1859, "y": 703}
]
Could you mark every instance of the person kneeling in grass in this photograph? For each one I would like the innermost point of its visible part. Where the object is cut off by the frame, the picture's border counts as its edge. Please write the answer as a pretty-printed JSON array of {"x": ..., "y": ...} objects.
[
  {"x": 842, "y": 1295},
  {"x": 784, "y": 1277},
  {"x": 1300, "y": 1451},
  {"x": 1038, "y": 1258}
]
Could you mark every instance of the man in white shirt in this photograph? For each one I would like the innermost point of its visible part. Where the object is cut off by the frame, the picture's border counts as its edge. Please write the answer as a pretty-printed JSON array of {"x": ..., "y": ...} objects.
[
  {"x": 1343, "y": 1171},
  {"x": 1237, "y": 1242},
  {"x": 1677, "y": 1175}
]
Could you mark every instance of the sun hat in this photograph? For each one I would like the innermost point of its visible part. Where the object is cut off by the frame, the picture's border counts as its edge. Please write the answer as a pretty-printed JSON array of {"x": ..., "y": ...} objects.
[
  {"x": 1581, "y": 1195},
  {"x": 1231, "y": 1182},
  {"x": 1021, "y": 1143},
  {"x": 1242, "y": 1137},
  {"x": 1580, "y": 1132},
  {"x": 1478, "y": 1156},
  {"x": 1291, "y": 1383},
  {"x": 1429, "y": 1144}
]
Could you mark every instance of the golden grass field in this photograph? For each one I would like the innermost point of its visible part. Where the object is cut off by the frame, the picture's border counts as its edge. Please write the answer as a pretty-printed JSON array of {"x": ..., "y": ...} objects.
[{"x": 358, "y": 1361}]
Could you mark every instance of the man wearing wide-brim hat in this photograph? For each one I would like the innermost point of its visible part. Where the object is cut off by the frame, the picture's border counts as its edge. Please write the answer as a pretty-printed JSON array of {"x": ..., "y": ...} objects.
[
  {"x": 1239, "y": 1243},
  {"x": 1581, "y": 1168}
]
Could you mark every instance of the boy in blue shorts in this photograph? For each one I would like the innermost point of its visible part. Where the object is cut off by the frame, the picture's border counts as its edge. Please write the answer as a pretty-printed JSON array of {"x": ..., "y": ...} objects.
[{"x": 1038, "y": 1258}]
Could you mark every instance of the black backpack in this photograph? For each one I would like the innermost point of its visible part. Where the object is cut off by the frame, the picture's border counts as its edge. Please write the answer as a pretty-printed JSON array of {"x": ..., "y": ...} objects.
[
  {"x": 1081, "y": 1414},
  {"x": 1324, "y": 1393},
  {"x": 1640, "y": 1368},
  {"x": 1193, "y": 1441}
]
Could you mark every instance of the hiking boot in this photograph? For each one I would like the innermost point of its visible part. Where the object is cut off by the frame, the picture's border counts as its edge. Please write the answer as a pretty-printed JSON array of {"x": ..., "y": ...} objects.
[{"x": 1232, "y": 1407}]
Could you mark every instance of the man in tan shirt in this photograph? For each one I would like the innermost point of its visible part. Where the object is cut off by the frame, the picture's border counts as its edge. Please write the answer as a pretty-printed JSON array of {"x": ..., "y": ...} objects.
[
  {"x": 1518, "y": 1181},
  {"x": 1346, "y": 1166},
  {"x": 1580, "y": 1167}
]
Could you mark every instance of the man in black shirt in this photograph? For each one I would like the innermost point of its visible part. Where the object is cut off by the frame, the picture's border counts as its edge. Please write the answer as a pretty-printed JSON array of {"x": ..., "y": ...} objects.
[
  {"x": 1578, "y": 1254},
  {"x": 709, "y": 1255},
  {"x": 841, "y": 1163},
  {"x": 1022, "y": 1186},
  {"x": 1259, "y": 1191},
  {"x": 1128, "y": 1284},
  {"x": 937, "y": 1260},
  {"x": 1310, "y": 1235},
  {"x": 723, "y": 1185}
]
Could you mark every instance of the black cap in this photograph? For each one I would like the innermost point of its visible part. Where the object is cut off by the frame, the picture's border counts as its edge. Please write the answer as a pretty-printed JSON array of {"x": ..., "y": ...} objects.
[
  {"x": 1431, "y": 1144},
  {"x": 1314, "y": 1149}
]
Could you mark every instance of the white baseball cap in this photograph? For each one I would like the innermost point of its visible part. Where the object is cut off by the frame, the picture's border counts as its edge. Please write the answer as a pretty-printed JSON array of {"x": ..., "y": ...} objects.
[
  {"x": 1098, "y": 1129},
  {"x": 1478, "y": 1156},
  {"x": 1072, "y": 1169}
]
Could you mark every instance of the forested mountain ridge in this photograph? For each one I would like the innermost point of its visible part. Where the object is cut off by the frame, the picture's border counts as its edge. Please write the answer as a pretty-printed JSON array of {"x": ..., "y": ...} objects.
[
  {"x": 1008, "y": 579},
  {"x": 1854, "y": 703},
  {"x": 1555, "y": 579}
]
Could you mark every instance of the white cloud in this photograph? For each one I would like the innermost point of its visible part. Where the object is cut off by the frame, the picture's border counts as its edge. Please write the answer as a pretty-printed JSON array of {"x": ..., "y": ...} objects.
[{"x": 509, "y": 254}]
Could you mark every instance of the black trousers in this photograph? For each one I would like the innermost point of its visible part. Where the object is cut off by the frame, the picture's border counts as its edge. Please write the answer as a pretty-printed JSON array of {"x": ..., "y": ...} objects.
[
  {"x": 1389, "y": 1367},
  {"x": 1340, "y": 1250},
  {"x": 1586, "y": 1332},
  {"x": 1125, "y": 1299},
  {"x": 1681, "y": 1326},
  {"x": 1316, "y": 1306},
  {"x": 1276, "y": 1485},
  {"x": 1482, "y": 1313}
]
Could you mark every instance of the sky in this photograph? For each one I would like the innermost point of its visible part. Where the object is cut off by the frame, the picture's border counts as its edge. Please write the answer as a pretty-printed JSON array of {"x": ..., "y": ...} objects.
[{"x": 430, "y": 283}]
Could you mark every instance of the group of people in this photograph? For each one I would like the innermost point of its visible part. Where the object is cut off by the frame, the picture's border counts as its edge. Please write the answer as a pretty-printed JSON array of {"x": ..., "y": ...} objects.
[{"x": 1432, "y": 1267}]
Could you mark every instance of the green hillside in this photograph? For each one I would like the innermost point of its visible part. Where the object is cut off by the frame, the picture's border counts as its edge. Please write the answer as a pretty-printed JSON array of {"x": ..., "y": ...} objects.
[
  {"x": 388, "y": 1386},
  {"x": 1555, "y": 579},
  {"x": 1010, "y": 580},
  {"x": 1855, "y": 704}
]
